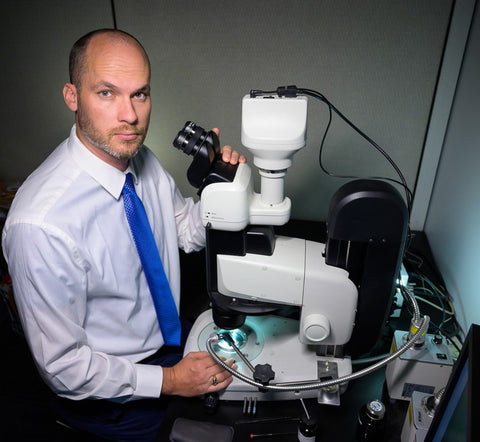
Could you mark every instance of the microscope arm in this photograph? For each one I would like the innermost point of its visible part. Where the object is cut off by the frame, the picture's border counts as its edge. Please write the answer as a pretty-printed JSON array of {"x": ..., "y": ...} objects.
[
  {"x": 296, "y": 275},
  {"x": 366, "y": 234}
]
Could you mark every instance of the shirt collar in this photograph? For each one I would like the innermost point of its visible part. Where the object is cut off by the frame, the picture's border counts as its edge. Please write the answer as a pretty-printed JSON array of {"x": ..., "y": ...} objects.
[{"x": 110, "y": 178}]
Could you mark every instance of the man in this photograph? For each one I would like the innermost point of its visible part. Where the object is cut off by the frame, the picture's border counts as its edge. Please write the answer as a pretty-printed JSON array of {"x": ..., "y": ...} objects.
[{"x": 80, "y": 289}]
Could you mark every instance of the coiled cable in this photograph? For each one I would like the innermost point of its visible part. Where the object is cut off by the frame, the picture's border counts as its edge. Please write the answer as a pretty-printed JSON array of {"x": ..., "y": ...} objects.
[{"x": 302, "y": 386}]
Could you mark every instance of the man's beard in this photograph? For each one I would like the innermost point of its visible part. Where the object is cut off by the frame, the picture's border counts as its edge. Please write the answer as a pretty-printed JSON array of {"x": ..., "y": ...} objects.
[{"x": 103, "y": 142}]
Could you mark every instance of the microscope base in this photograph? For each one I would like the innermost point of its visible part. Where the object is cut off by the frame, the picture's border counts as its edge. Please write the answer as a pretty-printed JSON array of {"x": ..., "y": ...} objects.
[{"x": 273, "y": 340}]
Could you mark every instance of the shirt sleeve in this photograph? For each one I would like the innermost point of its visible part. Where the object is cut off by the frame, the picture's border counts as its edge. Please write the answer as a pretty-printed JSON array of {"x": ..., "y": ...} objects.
[
  {"x": 49, "y": 281},
  {"x": 190, "y": 230}
]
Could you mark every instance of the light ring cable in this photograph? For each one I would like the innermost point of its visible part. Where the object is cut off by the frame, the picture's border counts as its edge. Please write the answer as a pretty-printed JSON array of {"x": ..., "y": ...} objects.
[{"x": 214, "y": 338}]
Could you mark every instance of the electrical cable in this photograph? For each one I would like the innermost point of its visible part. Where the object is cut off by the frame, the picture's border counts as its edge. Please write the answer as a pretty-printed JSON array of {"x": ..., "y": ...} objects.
[
  {"x": 369, "y": 360},
  {"x": 425, "y": 288},
  {"x": 435, "y": 306},
  {"x": 293, "y": 91},
  {"x": 448, "y": 331},
  {"x": 114, "y": 16}
]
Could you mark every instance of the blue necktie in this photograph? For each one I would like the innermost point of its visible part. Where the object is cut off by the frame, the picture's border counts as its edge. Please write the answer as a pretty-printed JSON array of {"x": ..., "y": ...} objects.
[{"x": 152, "y": 264}]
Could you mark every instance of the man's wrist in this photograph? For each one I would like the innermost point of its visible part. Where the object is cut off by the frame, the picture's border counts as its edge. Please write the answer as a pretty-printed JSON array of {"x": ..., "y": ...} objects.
[{"x": 168, "y": 380}]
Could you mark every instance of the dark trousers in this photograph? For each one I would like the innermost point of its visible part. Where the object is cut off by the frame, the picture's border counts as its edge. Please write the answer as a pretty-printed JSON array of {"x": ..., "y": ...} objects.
[{"x": 138, "y": 420}]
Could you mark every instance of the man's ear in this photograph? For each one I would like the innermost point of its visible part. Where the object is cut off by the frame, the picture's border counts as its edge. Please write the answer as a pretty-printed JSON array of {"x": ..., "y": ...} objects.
[{"x": 70, "y": 96}]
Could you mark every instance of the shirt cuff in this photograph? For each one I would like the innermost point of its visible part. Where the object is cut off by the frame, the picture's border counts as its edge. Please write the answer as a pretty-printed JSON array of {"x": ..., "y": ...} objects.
[{"x": 149, "y": 381}]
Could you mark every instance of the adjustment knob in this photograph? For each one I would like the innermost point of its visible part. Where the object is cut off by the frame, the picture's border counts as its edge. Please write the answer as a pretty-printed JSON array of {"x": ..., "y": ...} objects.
[
  {"x": 437, "y": 340},
  {"x": 263, "y": 373},
  {"x": 316, "y": 327}
]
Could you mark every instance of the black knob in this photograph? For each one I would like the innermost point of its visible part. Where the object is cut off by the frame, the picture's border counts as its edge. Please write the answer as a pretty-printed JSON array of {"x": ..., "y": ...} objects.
[{"x": 263, "y": 373}]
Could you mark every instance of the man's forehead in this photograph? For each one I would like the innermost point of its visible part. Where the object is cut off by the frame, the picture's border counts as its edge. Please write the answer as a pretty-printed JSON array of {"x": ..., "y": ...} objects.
[
  {"x": 105, "y": 49},
  {"x": 113, "y": 40}
]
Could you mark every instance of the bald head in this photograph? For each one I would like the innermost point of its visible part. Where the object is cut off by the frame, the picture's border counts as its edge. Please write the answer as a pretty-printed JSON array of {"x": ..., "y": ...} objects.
[{"x": 79, "y": 51}]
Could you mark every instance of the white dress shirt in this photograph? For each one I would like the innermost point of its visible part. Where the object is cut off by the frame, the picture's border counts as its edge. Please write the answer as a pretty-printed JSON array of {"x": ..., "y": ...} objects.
[{"x": 79, "y": 286}]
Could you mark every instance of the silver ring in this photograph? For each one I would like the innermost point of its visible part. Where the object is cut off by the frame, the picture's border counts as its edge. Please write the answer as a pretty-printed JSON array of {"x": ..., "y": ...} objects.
[{"x": 214, "y": 380}]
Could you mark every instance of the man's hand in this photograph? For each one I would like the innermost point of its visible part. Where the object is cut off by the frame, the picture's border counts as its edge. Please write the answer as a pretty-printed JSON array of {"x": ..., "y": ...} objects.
[
  {"x": 228, "y": 154},
  {"x": 196, "y": 374}
]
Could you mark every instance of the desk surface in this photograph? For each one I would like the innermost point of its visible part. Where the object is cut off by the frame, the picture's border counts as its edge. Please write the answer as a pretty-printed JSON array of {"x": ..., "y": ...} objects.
[{"x": 334, "y": 423}]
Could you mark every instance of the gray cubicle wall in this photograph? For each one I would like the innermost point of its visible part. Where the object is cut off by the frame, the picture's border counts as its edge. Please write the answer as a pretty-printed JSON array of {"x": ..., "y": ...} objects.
[{"x": 376, "y": 60}]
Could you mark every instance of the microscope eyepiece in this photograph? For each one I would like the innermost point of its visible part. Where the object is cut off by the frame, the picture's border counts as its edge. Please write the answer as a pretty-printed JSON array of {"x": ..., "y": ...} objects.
[{"x": 192, "y": 138}]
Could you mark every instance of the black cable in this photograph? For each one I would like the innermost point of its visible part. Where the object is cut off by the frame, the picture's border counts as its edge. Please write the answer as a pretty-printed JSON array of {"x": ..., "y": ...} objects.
[
  {"x": 292, "y": 91},
  {"x": 114, "y": 16},
  {"x": 331, "y": 107}
]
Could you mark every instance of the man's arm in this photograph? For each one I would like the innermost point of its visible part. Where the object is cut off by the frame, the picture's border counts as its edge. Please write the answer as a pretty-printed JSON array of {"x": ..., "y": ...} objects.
[{"x": 49, "y": 280}]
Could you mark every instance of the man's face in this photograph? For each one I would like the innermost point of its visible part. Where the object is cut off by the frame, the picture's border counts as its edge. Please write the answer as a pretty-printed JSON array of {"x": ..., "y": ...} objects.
[{"x": 113, "y": 101}]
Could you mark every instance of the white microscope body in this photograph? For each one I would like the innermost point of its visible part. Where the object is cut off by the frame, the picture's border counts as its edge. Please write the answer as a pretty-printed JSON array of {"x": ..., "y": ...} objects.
[
  {"x": 293, "y": 274},
  {"x": 273, "y": 130}
]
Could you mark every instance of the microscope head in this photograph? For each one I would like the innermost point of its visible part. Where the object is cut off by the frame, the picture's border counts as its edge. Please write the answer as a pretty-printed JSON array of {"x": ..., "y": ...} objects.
[{"x": 273, "y": 129}]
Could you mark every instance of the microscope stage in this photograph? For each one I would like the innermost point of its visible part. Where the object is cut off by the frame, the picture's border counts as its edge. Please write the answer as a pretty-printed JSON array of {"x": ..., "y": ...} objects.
[{"x": 264, "y": 340}]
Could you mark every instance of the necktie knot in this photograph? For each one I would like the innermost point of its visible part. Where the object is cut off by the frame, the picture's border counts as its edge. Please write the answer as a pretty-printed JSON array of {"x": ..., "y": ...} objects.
[{"x": 128, "y": 186}]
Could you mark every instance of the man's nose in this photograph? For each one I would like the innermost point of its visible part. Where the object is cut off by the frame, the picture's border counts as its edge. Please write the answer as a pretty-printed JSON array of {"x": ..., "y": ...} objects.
[{"x": 126, "y": 112}]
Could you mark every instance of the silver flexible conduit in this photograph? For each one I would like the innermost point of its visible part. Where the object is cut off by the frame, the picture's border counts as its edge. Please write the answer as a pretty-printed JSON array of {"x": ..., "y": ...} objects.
[{"x": 302, "y": 386}]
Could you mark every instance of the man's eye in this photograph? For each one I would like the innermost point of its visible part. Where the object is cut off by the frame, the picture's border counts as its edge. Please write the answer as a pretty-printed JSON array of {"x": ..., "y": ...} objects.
[
  {"x": 105, "y": 93},
  {"x": 140, "y": 95}
]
